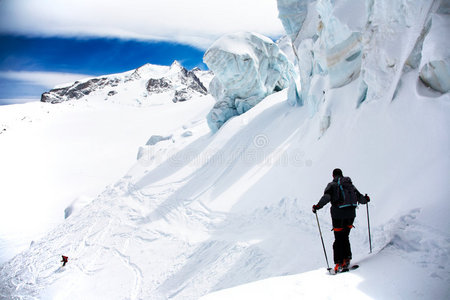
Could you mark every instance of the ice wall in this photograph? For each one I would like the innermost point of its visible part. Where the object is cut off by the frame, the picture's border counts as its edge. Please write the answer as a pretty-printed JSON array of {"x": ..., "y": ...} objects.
[
  {"x": 326, "y": 44},
  {"x": 372, "y": 41},
  {"x": 436, "y": 74},
  {"x": 247, "y": 67},
  {"x": 435, "y": 54}
]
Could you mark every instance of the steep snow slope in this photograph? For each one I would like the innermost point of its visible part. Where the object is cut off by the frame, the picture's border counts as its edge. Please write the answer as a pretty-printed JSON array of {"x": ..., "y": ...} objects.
[
  {"x": 222, "y": 210},
  {"x": 52, "y": 156}
]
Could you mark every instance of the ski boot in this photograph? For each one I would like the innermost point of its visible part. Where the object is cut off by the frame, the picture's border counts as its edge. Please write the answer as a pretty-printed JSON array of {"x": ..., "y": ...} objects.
[
  {"x": 346, "y": 264},
  {"x": 338, "y": 268}
]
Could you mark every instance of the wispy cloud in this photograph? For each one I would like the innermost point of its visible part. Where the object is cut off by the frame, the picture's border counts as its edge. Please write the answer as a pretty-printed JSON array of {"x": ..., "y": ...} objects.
[
  {"x": 24, "y": 86},
  {"x": 45, "y": 79},
  {"x": 194, "y": 22},
  {"x": 17, "y": 101}
]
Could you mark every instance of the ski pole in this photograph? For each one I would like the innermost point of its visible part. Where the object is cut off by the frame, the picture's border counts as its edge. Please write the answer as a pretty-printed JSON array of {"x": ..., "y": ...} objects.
[
  {"x": 323, "y": 245},
  {"x": 368, "y": 226}
]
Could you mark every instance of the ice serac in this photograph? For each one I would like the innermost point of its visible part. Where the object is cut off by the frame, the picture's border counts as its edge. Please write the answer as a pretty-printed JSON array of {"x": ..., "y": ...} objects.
[
  {"x": 247, "y": 67},
  {"x": 435, "y": 57},
  {"x": 292, "y": 14},
  {"x": 325, "y": 46},
  {"x": 338, "y": 42},
  {"x": 436, "y": 74},
  {"x": 392, "y": 39}
]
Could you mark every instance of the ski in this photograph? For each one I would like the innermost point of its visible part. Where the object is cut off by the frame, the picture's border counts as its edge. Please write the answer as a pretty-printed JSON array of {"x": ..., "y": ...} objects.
[{"x": 353, "y": 267}]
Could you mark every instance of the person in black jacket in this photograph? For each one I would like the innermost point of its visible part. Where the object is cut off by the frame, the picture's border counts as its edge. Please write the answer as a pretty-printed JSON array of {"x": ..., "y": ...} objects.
[{"x": 342, "y": 217}]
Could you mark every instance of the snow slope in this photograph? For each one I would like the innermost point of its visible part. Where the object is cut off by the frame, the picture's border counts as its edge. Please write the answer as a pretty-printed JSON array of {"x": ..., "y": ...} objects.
[
  {"x": 375, "y": 280},
  {"x": 222, "y": 210},
  {"x": 55, "y": 156}
]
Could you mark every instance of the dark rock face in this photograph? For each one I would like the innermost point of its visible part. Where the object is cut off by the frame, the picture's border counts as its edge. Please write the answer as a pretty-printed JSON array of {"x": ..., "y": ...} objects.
[
  {"x": 158, "y": 85},
  {"x": 190, "y": 84},
  {"x": 78, "y": 90},
  {"x": 191, "y": 80},
  {"x": 181, "y": 95}
]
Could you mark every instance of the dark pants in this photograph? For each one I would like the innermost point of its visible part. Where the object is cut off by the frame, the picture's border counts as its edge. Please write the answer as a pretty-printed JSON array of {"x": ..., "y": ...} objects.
[{"x": 341, "y": 246}]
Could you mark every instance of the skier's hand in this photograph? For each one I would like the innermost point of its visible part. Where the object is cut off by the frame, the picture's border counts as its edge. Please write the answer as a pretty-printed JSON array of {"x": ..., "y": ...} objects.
[
  {"x": 367, "y": 198},
  {"x": 314, "y": 208}
]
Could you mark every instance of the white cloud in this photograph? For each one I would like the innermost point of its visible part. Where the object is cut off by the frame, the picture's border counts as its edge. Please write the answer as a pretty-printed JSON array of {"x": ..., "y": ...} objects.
[
  {"x": 45, "y": 79},
  {"x": 195, "y": 22},
  {"x": 17, "y": 101}
]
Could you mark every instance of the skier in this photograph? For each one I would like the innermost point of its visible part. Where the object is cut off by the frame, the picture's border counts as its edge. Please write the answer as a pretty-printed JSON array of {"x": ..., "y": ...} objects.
[
  {"x": 64, "y": 260},
  {"x": 342, "y": 215}
]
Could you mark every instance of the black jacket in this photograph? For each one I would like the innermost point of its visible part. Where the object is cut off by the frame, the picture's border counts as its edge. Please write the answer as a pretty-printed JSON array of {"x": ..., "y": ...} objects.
[{"x": 331, "y": 194}]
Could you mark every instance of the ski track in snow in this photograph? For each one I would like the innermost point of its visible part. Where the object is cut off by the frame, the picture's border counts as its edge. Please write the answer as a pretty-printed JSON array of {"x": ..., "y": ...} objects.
[
  {"x": 202, "y": 257},
  {"x": 191, "y": 273}
]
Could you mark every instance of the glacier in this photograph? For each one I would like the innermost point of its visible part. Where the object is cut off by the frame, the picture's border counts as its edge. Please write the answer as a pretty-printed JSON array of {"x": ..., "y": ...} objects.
[
  {"x": 328, "y": 50},
  {"x": 247, "y": 67},
  {"x": 373, "y": 42}
]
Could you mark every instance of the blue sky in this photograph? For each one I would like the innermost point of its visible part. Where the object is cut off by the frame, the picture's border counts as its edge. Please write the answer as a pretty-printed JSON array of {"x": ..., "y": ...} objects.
[
  {"x": 93, "y": 56},
  {"x": 47, "y": 42}
]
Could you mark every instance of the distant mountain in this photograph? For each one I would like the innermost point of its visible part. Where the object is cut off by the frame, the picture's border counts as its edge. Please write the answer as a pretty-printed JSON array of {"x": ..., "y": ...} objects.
[{"x": 139, "y": 84}]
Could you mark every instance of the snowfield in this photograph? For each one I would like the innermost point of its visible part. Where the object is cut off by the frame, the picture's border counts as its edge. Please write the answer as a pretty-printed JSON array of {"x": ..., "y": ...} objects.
[
  {"x": 166, "y": 209},
  {"x": 56, "y": 156},
  {"x": 211, "y": 212}
]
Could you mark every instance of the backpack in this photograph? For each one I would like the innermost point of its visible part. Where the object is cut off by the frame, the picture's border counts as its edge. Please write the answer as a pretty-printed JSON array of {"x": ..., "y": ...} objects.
[{"x": 347, "y": 193}]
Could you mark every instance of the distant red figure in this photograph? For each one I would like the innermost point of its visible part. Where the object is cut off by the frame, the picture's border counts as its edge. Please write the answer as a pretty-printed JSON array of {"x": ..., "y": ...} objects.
[{"x": 64, "y": 260}]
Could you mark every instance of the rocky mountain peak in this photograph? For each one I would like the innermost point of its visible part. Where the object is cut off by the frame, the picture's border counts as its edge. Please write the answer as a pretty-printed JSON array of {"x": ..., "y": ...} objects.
[{"x": 144, "y": 82}]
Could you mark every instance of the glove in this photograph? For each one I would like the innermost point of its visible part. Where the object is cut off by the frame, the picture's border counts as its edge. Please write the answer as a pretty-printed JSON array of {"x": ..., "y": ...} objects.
[
  {"x": 367, "y": 198},
  {"x": 314, "y": 208}
]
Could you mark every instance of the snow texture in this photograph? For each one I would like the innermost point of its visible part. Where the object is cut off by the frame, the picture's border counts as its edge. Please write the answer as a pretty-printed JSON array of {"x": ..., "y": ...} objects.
[
  {"x": 247, "y": 68},
  {"x": 154, "y": 139},
  {"x": 228, "y": 215},
  {"x": 218, "y": 211}
]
